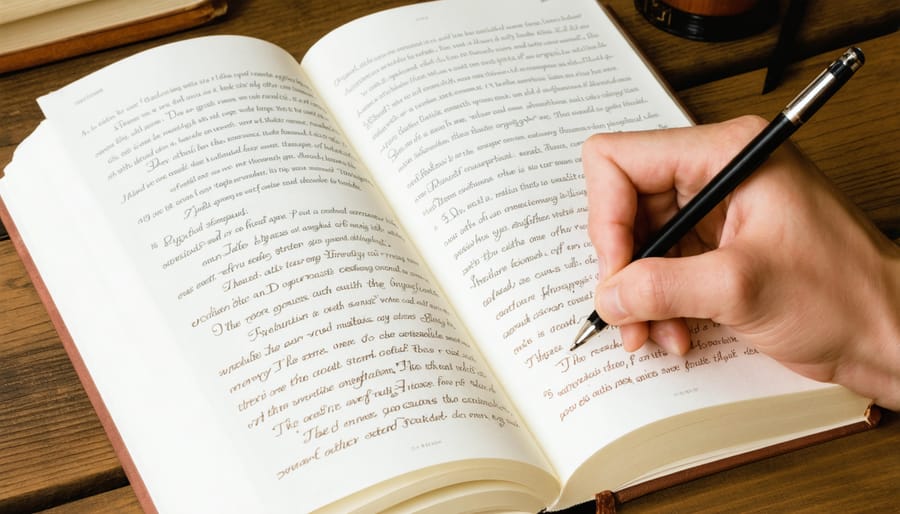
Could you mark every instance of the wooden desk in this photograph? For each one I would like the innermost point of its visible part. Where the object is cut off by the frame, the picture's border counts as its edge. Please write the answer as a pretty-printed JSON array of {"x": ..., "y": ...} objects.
[{"x": 54, "y": 454}]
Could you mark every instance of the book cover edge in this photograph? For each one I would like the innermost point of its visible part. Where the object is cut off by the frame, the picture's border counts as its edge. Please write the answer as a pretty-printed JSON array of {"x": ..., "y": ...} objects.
[
  {"x": 117, "y": 35},
  {"x": 81, "y": 370},
  {"x": 606, "y": 501}
]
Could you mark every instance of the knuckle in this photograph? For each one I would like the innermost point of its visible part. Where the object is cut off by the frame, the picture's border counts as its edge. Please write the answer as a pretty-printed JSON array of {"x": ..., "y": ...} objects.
[
  {"x": 740, "y": 130},
  {"x": 740, "y": 285},
  {"x": 751, "y": 123},
  {"x": 651, "y": 294}
]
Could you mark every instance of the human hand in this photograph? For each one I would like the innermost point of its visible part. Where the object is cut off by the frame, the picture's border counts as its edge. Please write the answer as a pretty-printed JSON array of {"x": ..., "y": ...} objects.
[{"x": 785, "y": 261}]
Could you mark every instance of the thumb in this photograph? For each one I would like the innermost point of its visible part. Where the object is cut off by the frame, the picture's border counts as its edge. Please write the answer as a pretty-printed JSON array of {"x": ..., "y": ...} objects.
[{"x": 714, "y": 285}]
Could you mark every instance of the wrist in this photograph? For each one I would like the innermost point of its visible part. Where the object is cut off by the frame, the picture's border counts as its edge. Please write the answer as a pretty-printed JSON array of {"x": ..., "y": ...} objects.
[
  {"x": 873, "y": 366},
  {"x": 890, "y": 337}
]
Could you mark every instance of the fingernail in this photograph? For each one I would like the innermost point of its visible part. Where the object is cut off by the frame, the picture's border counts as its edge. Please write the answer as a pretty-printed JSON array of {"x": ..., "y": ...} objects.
[
  {"x": 609, "y": 303},
  {"x": 671, "y": 347}
]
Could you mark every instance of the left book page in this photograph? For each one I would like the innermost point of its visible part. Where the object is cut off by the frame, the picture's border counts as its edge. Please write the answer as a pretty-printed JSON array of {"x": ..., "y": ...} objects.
[{"x": 246, "y": 305}]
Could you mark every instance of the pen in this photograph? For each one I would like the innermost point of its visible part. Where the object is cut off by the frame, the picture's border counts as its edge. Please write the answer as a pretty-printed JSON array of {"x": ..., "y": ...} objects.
[{"x": 797, "y": 112}]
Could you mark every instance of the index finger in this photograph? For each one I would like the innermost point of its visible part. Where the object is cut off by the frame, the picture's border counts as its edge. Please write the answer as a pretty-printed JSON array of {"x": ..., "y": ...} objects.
[{"x": 622, "y": 167}]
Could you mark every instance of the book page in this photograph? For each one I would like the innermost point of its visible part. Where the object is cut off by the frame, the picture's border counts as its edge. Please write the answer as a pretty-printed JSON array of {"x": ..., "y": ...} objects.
[
  {"x": 269, "y": 266},
  {"x": 13, "y": 10},
  {"x": 133, "y": 391},
  {"x": 472, "y": 125},
  {"x": 53, "y": 21}
]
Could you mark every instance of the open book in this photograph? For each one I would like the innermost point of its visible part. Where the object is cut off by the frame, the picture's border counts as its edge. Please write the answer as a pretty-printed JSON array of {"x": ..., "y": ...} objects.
[{"x": 350, "y": 284}]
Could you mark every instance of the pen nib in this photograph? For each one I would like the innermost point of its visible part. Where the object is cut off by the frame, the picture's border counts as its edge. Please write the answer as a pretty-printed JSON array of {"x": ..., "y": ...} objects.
[{"x": 586, "y": 332}]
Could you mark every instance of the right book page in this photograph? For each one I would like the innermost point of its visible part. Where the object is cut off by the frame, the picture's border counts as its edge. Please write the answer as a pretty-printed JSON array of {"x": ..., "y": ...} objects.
[{"x": 471, "y": 116}]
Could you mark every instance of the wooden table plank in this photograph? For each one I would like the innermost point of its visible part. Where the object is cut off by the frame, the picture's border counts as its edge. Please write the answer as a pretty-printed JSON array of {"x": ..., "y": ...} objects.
[
  {"x": 116, "y": 501},
  {"x": 52, "y": 444},
  {"x": 826, "y": 25},
  {"x": 853, "y": 138}
]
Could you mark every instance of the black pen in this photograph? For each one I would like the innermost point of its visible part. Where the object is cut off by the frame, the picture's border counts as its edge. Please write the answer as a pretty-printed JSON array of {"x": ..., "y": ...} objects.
[{"x": 798, "y": 111}]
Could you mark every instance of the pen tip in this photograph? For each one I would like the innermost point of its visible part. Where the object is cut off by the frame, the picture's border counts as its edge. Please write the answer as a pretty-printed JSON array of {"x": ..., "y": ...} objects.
[{"x": 588, "y": 330}]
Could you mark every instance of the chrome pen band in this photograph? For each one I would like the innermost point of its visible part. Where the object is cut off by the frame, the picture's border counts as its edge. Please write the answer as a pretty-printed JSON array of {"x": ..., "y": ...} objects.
[
  {"x": 819, "y": 90},
  {"x": 797, "y": 109},
  {"x": 853, "y": 58}
]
